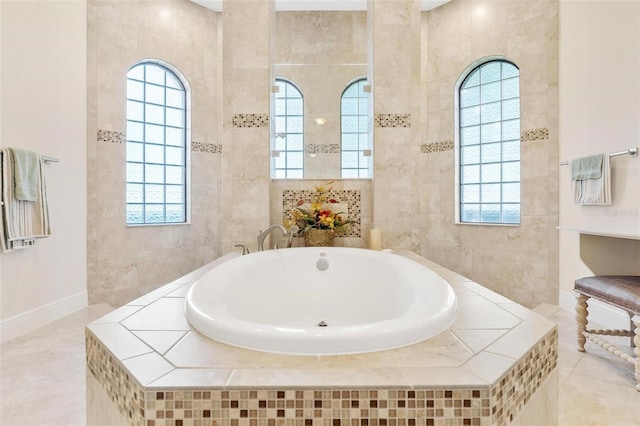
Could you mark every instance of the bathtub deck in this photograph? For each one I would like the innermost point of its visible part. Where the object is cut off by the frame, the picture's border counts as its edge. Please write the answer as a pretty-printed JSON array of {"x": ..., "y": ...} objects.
[{"x": 495, "y": 365}]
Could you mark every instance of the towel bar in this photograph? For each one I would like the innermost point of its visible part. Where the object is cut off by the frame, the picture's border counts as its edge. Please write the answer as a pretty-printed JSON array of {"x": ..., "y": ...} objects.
[
  {"x": 48, "y": 159},
  {"x": 633, "y": 152}
]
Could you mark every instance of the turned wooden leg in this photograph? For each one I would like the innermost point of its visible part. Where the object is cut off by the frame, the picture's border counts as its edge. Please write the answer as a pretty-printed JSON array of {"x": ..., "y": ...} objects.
[
  {"x": 581, "y": 319},
  {"x": 636, "y": 320}
]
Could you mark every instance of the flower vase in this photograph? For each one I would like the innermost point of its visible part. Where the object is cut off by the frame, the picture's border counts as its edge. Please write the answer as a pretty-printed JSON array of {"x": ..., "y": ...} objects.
[{"x": 318, "y": 238}]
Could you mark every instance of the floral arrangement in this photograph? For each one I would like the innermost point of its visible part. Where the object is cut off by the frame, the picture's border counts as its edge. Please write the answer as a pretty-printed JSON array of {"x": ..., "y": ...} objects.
[{"x": 318, "y": 214}]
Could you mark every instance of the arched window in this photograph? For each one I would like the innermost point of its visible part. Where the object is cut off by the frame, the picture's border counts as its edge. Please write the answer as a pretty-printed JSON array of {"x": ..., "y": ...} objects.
[
  {"x": 488, "y": 144},
  {"x": 157, "y": 145},
  {"x": 355, "y": 160},
  {"x": 288, "y": 145}
]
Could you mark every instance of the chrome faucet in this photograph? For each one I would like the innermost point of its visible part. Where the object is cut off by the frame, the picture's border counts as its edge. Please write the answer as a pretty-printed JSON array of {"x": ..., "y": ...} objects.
[
  {"x": 263, "y": 235},
  {"x": 244, "y": 248}
]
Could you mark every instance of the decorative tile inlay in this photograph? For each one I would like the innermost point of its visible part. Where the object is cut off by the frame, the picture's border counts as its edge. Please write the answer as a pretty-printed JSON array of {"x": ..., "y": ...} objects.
[
  {"x": 126, "y": 393},
  {"x": 392, "y": 120},
  {"x": 517, "y": 387},
  {"x": 350, "y": 196},
  {"x": 427, "y": 148},
  {"x": 343, "y": 407},
  {"x": 482, "y": 406},
  {"x": 111, "y": 136},
  {"x": 211, "y": 148},
  {"x": 250, "y": 120},
  {"x": 525, "y": 136},
  {"x": 313, "y": 148},
  {"x": 534, "y": 134}
]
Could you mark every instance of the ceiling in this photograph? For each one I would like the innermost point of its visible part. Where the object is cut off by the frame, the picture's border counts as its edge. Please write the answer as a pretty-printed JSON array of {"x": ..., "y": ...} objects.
[{"x": 319, "y": 4}]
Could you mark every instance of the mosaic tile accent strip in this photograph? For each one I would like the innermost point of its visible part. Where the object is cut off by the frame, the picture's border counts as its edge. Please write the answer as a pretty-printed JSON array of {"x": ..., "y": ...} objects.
[
  {"x": 335, "y": 407},
  {"x": 350, "y": 196},
  {"x": 250, "y": 120},
  {"x": 125, "y": 393},
  {"x": 517, "y": 387},
  {"x": 525, "y": 136},
  {"x": 111, "y": 136},
  {"x": 534, "y": 135},
  {"x": 314, "y": 148},
  {"x": 210, "y": 148},
  {"x": 427, "y": 148},
  {"x": 392, "y": 120}
]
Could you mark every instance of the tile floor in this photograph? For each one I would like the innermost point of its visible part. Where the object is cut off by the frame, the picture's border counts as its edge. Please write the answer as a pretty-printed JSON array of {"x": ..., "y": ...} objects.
[{"x": 43, "y": 376}]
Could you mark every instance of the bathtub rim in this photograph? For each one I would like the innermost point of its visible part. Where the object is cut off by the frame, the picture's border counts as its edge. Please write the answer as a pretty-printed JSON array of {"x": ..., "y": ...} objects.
[{"x": 398, "y": 332}]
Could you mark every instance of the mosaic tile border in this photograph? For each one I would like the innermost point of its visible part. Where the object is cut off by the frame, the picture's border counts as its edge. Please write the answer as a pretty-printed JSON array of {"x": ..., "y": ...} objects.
[
  {"x": 111, "y": 136},
  {"x": 350, "y": 196},
  {"x": 210, "y": 148},
  {"x": 120, "y": 137},
  {"x": 525, "y": 136},
  {"x": 476, "y": 406},
  {"x": 335, "y": 407},
  {"x": 427, "y": 148},
  {"x": 392, "y": 120},
  {"x": 127, "y": 394},
  {"x": 250, "y": 120},
  {"x": 534, "y": 134},
  {"x": 314, "y": 148},
  {"x": 517, "y": 387}
]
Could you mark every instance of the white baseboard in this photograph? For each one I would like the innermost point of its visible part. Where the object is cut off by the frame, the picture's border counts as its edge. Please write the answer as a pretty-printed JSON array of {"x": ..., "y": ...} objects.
[
  {"x": 23, "y": 323},
  {"x": 601, "y": 314}
]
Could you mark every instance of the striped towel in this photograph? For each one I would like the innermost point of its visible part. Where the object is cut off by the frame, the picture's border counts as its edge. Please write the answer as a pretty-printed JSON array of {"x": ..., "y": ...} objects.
[
  {"x": 591, "y": 180},
  {"x": 22, "y": 221}
]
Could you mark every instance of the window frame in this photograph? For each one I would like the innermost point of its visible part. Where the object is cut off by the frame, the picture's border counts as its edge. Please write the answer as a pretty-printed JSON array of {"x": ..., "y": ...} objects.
[
  {"x": 359, "y": 81},
  {"x": 186, "y": 160},
  {"x": 284, "y": 135},
  {"x": 457, "y": 143}
]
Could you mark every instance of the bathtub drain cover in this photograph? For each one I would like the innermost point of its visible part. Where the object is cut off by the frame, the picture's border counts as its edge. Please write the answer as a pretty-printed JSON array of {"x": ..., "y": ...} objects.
[{"x": 322, "y": 324}]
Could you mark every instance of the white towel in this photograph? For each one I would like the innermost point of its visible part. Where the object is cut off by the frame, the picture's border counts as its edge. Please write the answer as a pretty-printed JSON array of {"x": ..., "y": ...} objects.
[
  {"x": 593, "y": 191},
  {"x": 22, "y": 221}
]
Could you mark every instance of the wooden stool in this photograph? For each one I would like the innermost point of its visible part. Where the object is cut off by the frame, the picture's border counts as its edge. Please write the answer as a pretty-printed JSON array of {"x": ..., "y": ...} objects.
[{"x": 620, "y": 291}]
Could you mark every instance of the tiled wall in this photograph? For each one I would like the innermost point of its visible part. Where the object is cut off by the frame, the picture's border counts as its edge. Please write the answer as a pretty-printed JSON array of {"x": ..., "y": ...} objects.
[
  {"x": 518, "y": 262},
  {"x": 411, "y": 195},
  {"x": 321, "y": 52},
  {"x": 394, "y": 36},
  {"x": 126, "y": 262},
  {"x": 246, "y": 73}
]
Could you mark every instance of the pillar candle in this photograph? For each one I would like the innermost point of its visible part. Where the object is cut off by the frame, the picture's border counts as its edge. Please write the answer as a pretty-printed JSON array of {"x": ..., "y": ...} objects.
[{"x": 375, "y": 239}]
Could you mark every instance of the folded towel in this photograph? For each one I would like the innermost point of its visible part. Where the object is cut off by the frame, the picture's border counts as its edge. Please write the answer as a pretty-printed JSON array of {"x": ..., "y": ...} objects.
[
  {"x": 22, "y": 221},
  {"x": 587, "y": 167},
  {"x": 26, "y": 172},
  {"x": 592, "y": 183}
]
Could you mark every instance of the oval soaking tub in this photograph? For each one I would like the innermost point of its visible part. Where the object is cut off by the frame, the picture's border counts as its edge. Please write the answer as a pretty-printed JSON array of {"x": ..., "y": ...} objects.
[{"x": 320, "y": 301}]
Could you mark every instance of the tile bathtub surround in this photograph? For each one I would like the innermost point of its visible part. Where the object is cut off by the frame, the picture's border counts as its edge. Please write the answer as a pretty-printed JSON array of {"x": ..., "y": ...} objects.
[
  {"x": 483, "y": 371},
  {"x": 594, "y": 387}
]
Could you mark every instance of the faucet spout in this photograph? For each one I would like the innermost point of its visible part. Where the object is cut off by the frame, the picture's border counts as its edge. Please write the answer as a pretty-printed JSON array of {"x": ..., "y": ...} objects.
[{"x": 263, "y": 235}]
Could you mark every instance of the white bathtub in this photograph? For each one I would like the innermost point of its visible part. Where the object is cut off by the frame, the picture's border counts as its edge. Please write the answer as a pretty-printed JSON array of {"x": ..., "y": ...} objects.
[{"x": 278, "y": 301}]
